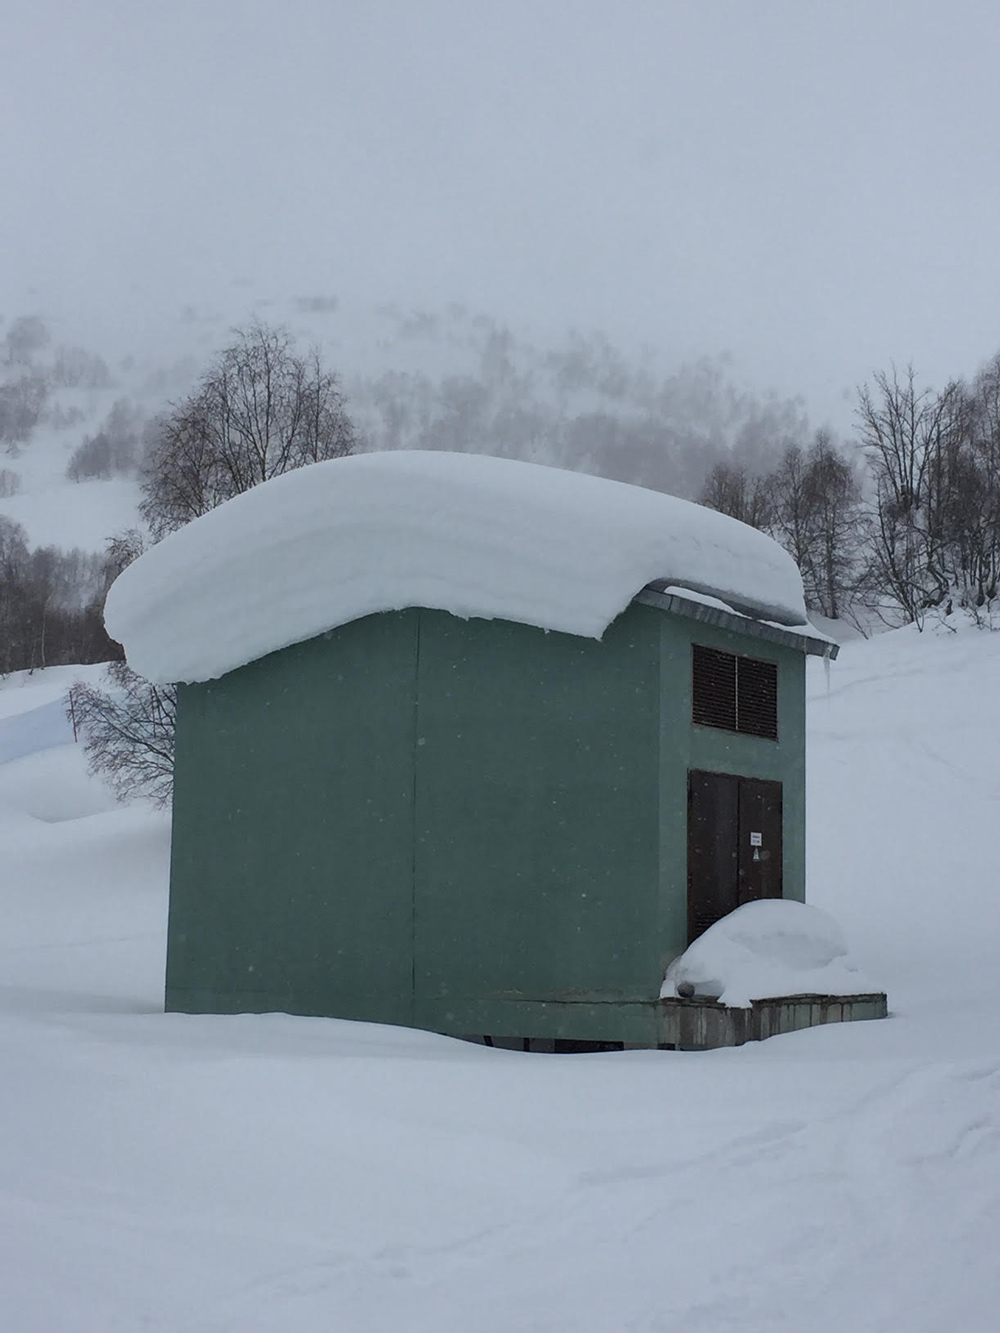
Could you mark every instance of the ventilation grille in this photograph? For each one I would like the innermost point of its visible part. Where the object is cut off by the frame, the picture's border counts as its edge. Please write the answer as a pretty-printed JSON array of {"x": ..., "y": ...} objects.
[
  {"x": 757, "y": 697},
  {"x": 714, "y": 691},
  {"x": 735, "y": 693}
]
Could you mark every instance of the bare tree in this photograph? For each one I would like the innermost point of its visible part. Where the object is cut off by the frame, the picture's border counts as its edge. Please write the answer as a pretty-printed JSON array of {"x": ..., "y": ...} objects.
[
  {"x": 27, "y": 335},
  {"x": 126, "y": 724},
  {"x": 935, "y": 516},
  {"x": 904, "y": 432},
  {"x": 815, "y": 513},
  {"x": 120, "y": 551},
  {"x": 259, "y": 411},
  {"x": 113, "y": 451},
  {"x": 21, "y": 404},
  {"x": 967, "y": 482},
  {"x": 810, "y": 504},
  {"x": 50, "y": 604},
  {"x": 733, "y": 490},
  {"x": 128, "y": 732},
  {"x": 791, "y": 510},
  {"x": 73, "y": 367},
  {"x": 835, "y": 498}
]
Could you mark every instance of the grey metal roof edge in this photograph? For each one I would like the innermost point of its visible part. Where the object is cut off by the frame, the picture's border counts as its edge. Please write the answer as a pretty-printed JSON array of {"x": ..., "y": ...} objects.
[{"x": 739, "y": 624}]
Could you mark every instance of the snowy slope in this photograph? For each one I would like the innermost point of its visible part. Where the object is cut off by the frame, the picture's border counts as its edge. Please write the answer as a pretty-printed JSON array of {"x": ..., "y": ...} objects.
[
  {"x": 446, "y": 379},
  {"x": 53, "y": 510},
  {"x": 211, "y": 1174}
]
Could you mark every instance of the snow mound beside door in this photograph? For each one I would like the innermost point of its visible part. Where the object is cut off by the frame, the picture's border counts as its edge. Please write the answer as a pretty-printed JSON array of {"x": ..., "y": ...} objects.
[{"x": 765, "y": 949}]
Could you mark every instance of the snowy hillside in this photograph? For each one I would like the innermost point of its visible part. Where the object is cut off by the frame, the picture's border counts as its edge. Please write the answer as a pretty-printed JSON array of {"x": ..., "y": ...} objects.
[
  {"x": 451, "y": 379},
  {"x": 259, "y": 1173},
  {"x": 53, "y": 510}
]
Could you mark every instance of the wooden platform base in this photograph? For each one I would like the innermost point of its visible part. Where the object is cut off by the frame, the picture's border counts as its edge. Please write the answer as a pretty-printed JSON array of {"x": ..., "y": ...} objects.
[{"x": 701, "y": 1024}]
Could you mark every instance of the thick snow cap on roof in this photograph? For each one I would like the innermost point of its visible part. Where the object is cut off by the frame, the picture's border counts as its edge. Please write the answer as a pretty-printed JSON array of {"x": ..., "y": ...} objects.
[{"x": 465, "y": 533}]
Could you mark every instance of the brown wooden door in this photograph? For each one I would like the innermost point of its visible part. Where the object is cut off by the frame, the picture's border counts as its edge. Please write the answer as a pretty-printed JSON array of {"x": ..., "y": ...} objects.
[
  {"x": 759, "y": 839},
  {"x": 734, "y": 845}
]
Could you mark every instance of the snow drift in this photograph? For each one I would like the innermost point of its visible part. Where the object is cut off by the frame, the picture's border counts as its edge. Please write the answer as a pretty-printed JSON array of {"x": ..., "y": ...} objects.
[
  {"x": 766, "y": 949},
  {"x": 469, "y": 534}
]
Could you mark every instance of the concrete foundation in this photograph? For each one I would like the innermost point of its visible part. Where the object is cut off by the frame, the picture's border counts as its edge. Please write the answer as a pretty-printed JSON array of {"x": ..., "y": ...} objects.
[{"x": 701, "y": 1024}]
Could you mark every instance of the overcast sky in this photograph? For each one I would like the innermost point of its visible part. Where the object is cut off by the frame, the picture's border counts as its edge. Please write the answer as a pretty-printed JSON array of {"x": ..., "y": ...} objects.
[{"x": 812, "y": 185}]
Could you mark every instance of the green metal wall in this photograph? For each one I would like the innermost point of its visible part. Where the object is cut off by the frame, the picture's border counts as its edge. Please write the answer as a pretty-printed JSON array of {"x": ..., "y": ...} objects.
[
  {"x": 292, "y": 845},
  {"x": 537, "y": 810},
  {"x": 471, "y": 826}
]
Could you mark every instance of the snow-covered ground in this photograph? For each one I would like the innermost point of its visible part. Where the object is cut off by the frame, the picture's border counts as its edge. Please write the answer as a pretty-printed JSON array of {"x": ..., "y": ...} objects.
[{"x": 182, "y": 1174}]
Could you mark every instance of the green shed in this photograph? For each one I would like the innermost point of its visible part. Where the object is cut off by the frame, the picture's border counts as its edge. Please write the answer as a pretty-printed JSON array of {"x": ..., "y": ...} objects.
[{"x": 415, "y": 784}]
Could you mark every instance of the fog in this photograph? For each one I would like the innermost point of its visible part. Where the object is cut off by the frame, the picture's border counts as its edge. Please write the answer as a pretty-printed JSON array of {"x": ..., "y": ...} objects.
[{"x": 811, "y": 189}]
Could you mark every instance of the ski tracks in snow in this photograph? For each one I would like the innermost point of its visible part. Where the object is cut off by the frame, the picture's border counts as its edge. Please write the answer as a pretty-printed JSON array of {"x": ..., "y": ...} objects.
[{"x": 850, "y": 1220}]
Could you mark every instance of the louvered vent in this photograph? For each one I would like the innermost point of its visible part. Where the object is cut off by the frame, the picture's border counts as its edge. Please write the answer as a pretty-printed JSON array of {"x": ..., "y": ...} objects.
[
  {"x": 714, "y": 693},
  {"x": 757, "y": 697},
  {"x": 735, "y": 693}
]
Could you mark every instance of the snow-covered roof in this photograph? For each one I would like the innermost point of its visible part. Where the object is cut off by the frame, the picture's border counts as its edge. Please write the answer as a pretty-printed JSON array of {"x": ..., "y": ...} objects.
[
  {"x": 712, "y": 611},
  {"x": 473, "y": 535}
]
